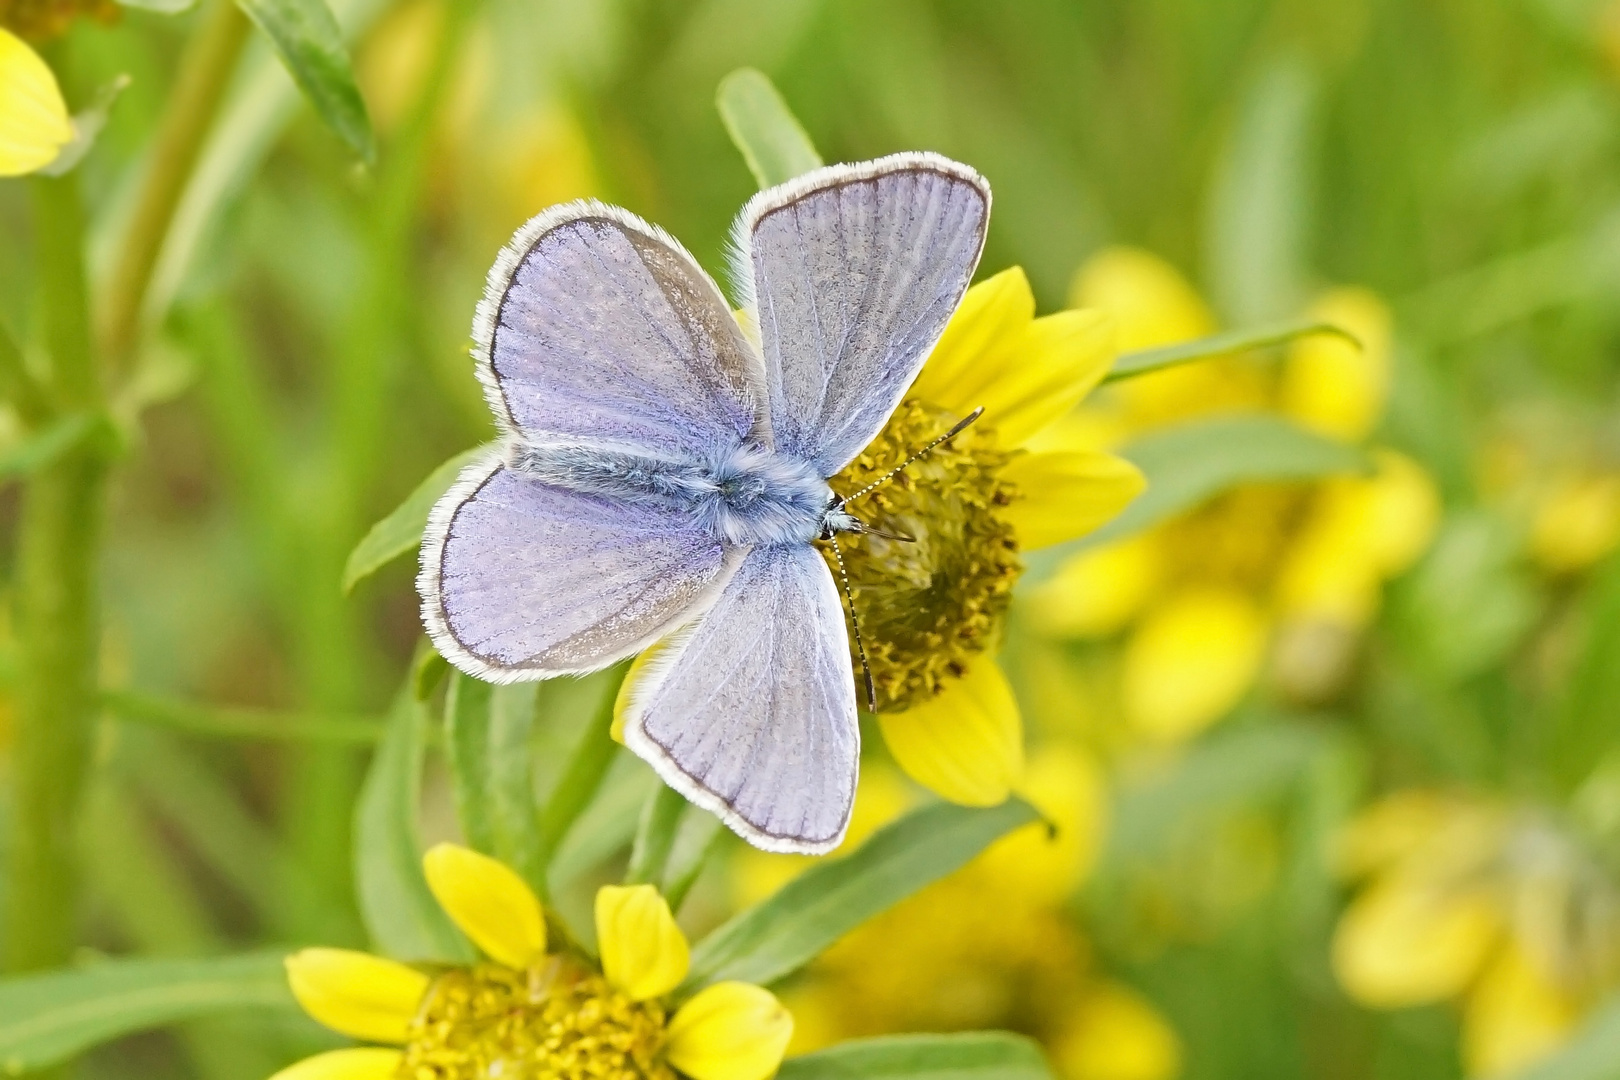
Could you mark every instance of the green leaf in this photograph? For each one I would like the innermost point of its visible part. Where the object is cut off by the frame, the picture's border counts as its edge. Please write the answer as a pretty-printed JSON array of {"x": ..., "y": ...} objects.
[
  {"x": 47, "y": 1019},
  {"x": 514, "y": 818},
  {"x": 399, "y": 910},
  {"x": 230, "y": 723},
  {"x": 87, "y": 125},
  {"x": 466, "y": 741},
  {"x": 401, "y": 531},
  {"x": 311, "y": 45},
  {"x": 1131, "y": 364},
  {"x": 977, "y": 1055},
  {"x": 779, "y": 935},
  {"x": 655, "y": 836},
  {"x": 47, "y": 445},
  {"x": 581, "y": 778},
  {"x": 1592, "y": 1054},
  {"x": 1582, "y": 725},
  {"x": 1190, "y": 463},
  {"x": 772, "y": 140}
]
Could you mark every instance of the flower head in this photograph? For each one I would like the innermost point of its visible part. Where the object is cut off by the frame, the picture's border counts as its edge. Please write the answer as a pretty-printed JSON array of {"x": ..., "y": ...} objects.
[
  {"x": 34, "y": 121},
  {"x": 931, "y": 611},
  {"x": 529, "y": 1013}
]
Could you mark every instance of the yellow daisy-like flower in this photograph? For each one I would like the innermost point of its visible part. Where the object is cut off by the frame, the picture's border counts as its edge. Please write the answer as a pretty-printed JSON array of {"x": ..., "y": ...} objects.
[
  {"x": 34, "y": 121},
  {"x": 530, "y": 1014},
  {"x": 931, "y": 611},
  {"x": 1467, "y": 899},
  {"x": 1278, "y": 575}
]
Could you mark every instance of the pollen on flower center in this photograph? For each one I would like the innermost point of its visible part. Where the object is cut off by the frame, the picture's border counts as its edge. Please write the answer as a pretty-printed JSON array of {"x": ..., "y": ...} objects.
[
  {"x": 927, "y": 608},
  {"x": 556, "y": 1022}
]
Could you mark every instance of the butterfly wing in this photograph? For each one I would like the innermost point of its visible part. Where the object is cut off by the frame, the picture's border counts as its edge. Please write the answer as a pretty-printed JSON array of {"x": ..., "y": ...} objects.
[
  {"x": 752, "y": 715},
  {"x": 521, "y": 580},
  {"x": 855, "y": 270},
  {"x": 596, "y": 327}
]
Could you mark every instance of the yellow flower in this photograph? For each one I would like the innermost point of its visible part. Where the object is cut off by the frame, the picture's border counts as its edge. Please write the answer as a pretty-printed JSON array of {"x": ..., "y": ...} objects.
[
  {"x": 931, "y": 611},
  {"x": 1267, "y": 577},
  {"x": 530, "y": 1014},
  {"x": 1577, "y": 523},
  {"x": 993, "y": 945},
  {"x": 34, "y": 121},
  {"x": 1469, "y": 900}
]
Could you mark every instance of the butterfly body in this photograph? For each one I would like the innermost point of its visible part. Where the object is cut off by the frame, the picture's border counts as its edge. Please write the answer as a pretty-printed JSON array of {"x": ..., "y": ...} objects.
[
  {"x": 663, "y": 474},
  {"x": 745, "y": 495}
]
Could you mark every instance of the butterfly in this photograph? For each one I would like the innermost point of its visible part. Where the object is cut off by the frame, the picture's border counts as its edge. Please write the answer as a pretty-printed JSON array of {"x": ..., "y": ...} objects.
[{"x": 663, "y": 471}]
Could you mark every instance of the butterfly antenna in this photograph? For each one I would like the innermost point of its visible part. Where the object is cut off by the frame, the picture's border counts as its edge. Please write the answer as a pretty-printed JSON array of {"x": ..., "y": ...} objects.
[
  {"x": 855, "y": 621},
  {"x": 956, "y": 429}
]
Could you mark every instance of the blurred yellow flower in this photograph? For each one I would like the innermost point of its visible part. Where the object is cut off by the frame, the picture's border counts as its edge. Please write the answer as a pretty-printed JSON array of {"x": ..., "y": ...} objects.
[
  {"x": 1278, "y": 576},
  {"x": 530, "y": 1014},
  {"x": 1463, "y": 898},
  {"x": 1577, "y": 522},
  {"x": 34, "y": 120},
  {"x": 992, "y": 945}
]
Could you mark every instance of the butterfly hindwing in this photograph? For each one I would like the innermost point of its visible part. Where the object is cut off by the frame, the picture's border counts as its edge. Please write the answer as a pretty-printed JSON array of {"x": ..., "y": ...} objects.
[
  {"x": 752, "y": 715},
  {"x": 523, "y": 580},
  {"x": 597, "y": 327},
  {"x": 855, "y": 270}
]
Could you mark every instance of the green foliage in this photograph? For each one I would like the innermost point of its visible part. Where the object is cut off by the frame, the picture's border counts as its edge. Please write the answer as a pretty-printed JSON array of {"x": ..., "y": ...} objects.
[
  {"x": 400, "y": 533},
  {"x": 46, "y": 1019},
  {"x": 311, "y": 45},
  {"x": 979, "y": 1056},
  {"x": 779, "y": 935},
  {"x": 770, "y": 137}
]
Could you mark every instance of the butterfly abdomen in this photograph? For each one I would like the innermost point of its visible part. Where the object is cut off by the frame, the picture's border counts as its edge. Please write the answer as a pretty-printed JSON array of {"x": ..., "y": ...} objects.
[{"x": 747, "y": 495}]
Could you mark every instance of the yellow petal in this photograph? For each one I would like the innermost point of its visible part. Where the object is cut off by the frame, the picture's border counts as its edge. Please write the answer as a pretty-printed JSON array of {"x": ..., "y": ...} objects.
[
  {"x": 1391, "y": 830},
  {"x": 355, "y": 993},
  {"x": 360, "y": 1063},
  {"x": 627, "y": 688},
  {"x": 490, "y": 902},
  {"x": 644, "y": 953},
  {"x": 1407, "y": 943},
  {"x": 1330, "y": 385},
  {"x": 1515, "y": 1016},
  {"x": 1056, "y": 362},
  {"x": 966, "y": 744},
  {"x": 993, "y": 314},
  {"x": 1066, "y": 495},
  {"x": 730, "y": 1031},
  {"x": 1577, "y": 523},
  {"x": 34, "y": 121},
  {"x": 1190, "y": 660},
  {"x": 1115, "y": 1034},
  {"x": 1095, "y": 593},
  {"x": 1152, "y": 304}
]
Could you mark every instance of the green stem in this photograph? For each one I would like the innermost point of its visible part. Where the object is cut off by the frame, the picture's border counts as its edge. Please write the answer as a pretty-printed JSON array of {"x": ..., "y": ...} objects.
[
  {"x": 655, "y": 836},
  {"x": 205, "y": 68},
  {"x": 56, "y": 612},
  {"x": 18, "y": 385}
]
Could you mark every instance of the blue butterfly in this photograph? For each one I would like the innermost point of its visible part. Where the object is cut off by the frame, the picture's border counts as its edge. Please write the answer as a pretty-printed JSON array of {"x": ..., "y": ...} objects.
[{"x": 663, "y": 471}]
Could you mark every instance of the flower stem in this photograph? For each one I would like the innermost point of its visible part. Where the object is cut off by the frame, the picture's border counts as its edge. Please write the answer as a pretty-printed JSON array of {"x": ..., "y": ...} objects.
[
  {"x": 56, "y": 611},
  {"x": 655, "y": 836},
  {"x": 209, "y": 59}
]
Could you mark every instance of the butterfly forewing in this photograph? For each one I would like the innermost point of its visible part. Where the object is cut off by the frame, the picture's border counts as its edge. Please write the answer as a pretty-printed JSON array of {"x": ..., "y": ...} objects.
[
  {"x": 855, "y": 270},
  {"x": 598, "y": 328},
  {"x": 753, "y": 715}
]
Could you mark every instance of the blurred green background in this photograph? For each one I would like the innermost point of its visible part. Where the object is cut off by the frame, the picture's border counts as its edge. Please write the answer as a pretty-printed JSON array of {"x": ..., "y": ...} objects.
[{"x": 1459, "y": 159}]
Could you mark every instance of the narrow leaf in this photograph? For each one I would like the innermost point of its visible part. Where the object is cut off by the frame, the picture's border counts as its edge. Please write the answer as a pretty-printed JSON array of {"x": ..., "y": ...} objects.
[
  {"x": 466, "y": 740},
  {"x": 977, "y": 1055},
  {"x": 399, "y": 910},
  {"x": 232, "y": 723},
  {"x": 774, "y": 938},
  {"x": 581, "y": 777},
  {"x": 1191, "y": 463},
  {"x": 1129, "y": 365},
  {"x": 47, "y": 1019},
  {"x": 46, "y": 445},
  {"x": 311, "y": 45},
  {"x": 401, "y": 531},
  {"x": 87, "y": 125},
  {"x": 513, "y": 813},
  {"x": 772, "y": 140},
  {"x": 655, "y": 836}
]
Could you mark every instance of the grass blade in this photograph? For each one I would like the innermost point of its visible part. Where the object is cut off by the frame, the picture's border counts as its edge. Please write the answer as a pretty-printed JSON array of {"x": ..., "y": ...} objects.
[
  {"x": 770, "y": 137},
  {"x": 401, "y": 531},
  {"x": 307, "y": 37},
  {"x": 1143, "y": 361}
]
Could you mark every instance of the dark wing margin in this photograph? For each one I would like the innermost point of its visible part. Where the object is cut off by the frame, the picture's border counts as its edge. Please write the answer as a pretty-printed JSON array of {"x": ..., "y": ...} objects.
[
  {"x": 598, "y": 328},
  {"x": 751, "y": 714},
  {"x": 854, "y": 271},
  {"x": 521, "y": 580}
]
